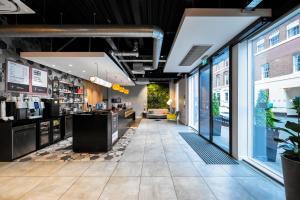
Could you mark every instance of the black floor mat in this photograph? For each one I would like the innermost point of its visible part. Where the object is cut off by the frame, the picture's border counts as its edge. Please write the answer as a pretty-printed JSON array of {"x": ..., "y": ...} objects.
[{"x": 207, "y": 151}]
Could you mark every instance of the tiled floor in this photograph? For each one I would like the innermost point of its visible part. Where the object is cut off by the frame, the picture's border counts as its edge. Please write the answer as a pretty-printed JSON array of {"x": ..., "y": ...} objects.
[{"x": 156, "y": 164}]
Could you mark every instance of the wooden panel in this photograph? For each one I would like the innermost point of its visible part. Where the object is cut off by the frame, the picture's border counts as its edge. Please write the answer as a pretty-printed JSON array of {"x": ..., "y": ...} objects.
[{"x": 93, "y": 92}]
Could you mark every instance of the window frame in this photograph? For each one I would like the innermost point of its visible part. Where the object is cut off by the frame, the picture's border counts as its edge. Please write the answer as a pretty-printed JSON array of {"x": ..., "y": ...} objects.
[
  {"x": 291, "y": 26},
  {"x": 263, "y": 66},
  {"x": 259, "y": 43},
  {"x": 272, "y": 36},
  {"x": 296, "y": 68}
]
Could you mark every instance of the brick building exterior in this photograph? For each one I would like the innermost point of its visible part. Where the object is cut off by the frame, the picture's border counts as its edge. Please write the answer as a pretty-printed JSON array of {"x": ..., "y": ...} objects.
[{"x": 276, "y": 68}]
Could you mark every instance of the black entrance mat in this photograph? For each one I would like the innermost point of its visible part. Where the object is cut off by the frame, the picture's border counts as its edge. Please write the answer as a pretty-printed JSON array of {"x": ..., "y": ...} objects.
[{"x": 207, "y": 151}]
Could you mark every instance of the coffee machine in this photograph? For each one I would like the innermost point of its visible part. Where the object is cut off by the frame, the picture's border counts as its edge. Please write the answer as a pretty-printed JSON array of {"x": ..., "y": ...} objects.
[{"x": 35, "y": 108}]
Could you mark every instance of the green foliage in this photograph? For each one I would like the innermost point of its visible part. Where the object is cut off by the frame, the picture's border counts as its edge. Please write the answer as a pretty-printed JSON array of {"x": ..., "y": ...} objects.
[
  {"x": 291, "y": 145},
  {"x": 264, "y": 117},
  {"x": 215, "y": 106},
  {"x": 158, "y": 95}
]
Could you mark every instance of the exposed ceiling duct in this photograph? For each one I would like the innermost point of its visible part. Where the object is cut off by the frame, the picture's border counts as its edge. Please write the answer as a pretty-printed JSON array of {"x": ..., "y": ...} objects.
[
  {"x": 14, "y": 7},
  {"x": 56, "y": 31},
  {"x": 125, "y": 54},
  {"x": 140, "y": 60}
]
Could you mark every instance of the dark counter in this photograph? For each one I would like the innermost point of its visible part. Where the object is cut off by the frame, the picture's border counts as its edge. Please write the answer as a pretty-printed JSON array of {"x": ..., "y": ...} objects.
[{"x": 93, "y": 132}]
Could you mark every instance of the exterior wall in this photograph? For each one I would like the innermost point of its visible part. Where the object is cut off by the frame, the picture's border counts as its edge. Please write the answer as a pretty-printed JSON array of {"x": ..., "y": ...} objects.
[{"x": 283, "y": 83}]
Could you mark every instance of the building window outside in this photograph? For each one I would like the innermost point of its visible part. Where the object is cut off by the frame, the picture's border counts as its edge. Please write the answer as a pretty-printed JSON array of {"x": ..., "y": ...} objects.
[
  {"x": 226, "y": 96},
  {"x": 265, "y": 71},
  {"x": 293, "y": 29},
  {"x": 226, "y": 79},
  {"x": 260, "y": 45},
  {"x": 297, "y": 62},
  {"x": 274, "y": 38},
  {"x": 218, "y": 80}
]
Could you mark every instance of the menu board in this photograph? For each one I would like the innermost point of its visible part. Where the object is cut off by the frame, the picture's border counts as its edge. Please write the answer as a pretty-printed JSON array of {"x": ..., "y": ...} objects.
[
  {"x": 39, "y": 80},
  {"x": 17, "y": 77}
]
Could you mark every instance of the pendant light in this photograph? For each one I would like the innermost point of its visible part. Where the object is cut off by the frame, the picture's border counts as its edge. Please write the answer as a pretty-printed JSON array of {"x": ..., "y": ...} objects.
[{"x": 99, "y": 81}]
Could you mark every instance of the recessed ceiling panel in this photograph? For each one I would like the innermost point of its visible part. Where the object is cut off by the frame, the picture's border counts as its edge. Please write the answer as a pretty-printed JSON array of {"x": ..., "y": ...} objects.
[
  {"x": 207, "y": 27},
  {"x": 81, "y": 64}
]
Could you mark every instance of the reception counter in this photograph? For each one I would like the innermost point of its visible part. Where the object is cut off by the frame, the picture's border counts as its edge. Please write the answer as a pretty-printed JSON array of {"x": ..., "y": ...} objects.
[{"x": 98, "y": 131}]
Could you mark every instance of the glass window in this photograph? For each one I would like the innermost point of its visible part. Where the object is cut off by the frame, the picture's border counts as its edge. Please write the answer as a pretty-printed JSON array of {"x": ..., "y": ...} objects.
[
  {"x": 220, "y": 101},
  {"x": 265, "y": 70},
  {"x": 274, "y": 38},
  {"x": 293, "y": 29},
  {"x": 272, "y": 98},
  {"x": 226, "y": 78},
  {"x": 260, "y": 45},
  {"x": 297, "y": 62},
  {"x": 193, "y": 100}
]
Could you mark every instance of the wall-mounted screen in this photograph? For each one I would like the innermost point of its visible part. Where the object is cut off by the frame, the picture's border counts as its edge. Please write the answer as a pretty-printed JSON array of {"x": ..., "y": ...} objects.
[
  {"x": 17, "y": 77},
  {"x": 39, "y": 80}
]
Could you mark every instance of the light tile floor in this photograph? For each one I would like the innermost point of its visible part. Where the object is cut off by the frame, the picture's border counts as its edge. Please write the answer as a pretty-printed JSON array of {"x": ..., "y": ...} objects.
[{"x": 156, "y": 164}]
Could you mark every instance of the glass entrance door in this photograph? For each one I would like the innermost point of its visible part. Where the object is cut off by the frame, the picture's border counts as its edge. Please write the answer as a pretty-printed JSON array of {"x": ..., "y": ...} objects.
[{"x": 204, "y": 102}]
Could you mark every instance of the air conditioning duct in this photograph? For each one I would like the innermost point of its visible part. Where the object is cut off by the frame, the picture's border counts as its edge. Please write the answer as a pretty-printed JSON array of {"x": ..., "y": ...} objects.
[
  {"x": 194, "y": 54},
  {"x": 14, "y": 7},
  {"x": 58, "y": 31}
]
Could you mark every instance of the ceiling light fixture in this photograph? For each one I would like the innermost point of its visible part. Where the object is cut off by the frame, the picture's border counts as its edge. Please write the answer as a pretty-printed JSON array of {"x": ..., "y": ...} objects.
[
  {"x": 53, "y": 65},
  {"x": 99, "y": 81},
  {"x": 70, "y": 65},
  {"x": 252, "y": 4},
  {"x": 83, "y": 71}
]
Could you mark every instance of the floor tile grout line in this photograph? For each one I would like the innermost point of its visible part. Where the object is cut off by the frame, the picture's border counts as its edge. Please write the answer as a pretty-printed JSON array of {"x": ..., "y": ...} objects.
[
  {"x": 170, "y": 172},
  {"x": 142, "y": 171}
]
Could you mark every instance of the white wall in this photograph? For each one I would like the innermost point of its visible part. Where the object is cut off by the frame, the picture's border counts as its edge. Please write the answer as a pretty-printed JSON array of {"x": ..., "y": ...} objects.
[
  {"x": 137, "y": 96},
  {"x": 183, "y": 100}
]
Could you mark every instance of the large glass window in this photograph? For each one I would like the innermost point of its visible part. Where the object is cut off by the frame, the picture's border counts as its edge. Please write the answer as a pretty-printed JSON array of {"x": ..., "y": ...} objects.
[
  {"x": 220, "y": 100},
  {"x": 204, "y": 120},
  {"x": 272, "y": 97},
  {"x": 193, "y": 101}
]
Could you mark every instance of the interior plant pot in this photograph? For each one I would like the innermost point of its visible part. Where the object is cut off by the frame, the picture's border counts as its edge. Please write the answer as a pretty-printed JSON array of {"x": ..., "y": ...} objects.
[
  {"x": 272, "y": 144},
  {"x": 291, "y": 175},
  {"x": 217, "y": 125}
]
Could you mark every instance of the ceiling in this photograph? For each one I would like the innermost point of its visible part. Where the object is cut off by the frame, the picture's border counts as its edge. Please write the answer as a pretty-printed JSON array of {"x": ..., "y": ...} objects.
[
  {"x": 215, "y": 27},
  {"x": 81, "y": 64},
  {"x": 165, "y": 14}
]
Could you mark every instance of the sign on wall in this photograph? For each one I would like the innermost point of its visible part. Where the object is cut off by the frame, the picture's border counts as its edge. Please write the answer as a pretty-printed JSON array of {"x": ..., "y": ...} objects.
[
  {"x": 17, "y": 77},
  {"x": 39, "y": 80}
]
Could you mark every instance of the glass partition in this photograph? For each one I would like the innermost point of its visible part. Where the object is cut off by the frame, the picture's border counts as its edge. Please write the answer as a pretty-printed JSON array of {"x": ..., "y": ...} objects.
[
  {"x": 193, "y": 101},
  {"x": 204, "y": 102},
  {"x": 220, "y": 100}
]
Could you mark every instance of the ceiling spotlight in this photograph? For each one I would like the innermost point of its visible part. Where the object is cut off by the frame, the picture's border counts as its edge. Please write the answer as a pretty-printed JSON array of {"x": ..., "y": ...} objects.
[
  {"x": 70, "y": 65},
  {"x": 83, "y": 71},
  {"x": 53, "y": 65}
]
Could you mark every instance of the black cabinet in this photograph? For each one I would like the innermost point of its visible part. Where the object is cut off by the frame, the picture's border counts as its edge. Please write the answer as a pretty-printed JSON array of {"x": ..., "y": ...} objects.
[
  {"x": 93, "y": 132},
  {"x": 24, "y": 140}
]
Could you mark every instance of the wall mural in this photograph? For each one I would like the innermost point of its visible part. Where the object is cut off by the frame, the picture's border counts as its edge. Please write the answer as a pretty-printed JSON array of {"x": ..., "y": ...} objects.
[{"x": 158, "y": 95}]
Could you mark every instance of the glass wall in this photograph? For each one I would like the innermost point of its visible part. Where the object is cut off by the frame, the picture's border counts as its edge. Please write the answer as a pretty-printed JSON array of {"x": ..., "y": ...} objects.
[
  {"x": 204, "y": 106},
  {"x": 275, "y": 82},
  {"x": 221, "y": 100},
  {"x": 193, "y": 101}
]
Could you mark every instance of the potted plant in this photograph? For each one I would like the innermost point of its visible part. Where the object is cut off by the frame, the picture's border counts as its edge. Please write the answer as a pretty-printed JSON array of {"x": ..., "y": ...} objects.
[
  {"x": 291, "y": 156},
  {"x": 217, "y": 123}
]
